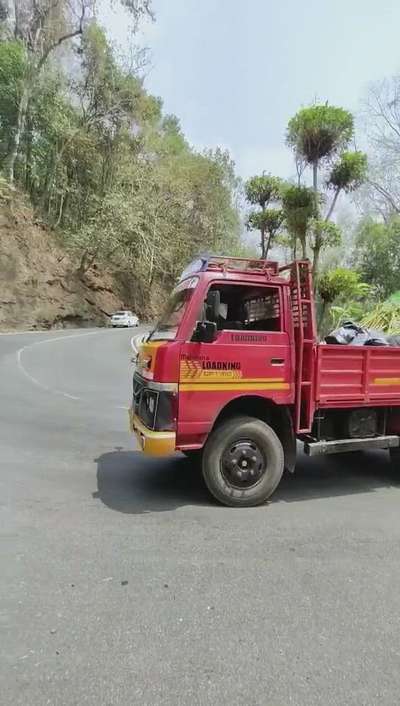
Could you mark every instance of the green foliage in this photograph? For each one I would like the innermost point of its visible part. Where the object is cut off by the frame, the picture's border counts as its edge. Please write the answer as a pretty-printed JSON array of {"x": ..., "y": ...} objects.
[
  {"x": 261, "y": 190},
  {"x": 324, "y": 234},
  {"x": 384, "y": 317},
  {"x": 349, "y": 172},
  {"x": 300, "y": 207},
  {"x": 342, "y": 283},
  {"x": 117, "y": 177},
  {"x": 319, "y": 132},
  {"x": 377, "y": 254},
  {"x": 344, "y": 288},
  {"x": 270, "y": 220},
  {"x": 348, "y": 311},
  {"x": 12, "y": 70}
]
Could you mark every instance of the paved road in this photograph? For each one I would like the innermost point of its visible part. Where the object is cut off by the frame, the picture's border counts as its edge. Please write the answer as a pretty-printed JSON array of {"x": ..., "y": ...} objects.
[{"x": 121, "y": 582}]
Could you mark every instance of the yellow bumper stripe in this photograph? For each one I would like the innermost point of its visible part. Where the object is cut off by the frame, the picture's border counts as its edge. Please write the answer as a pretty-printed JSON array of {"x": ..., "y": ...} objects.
[{"x": 386, "y": 381}]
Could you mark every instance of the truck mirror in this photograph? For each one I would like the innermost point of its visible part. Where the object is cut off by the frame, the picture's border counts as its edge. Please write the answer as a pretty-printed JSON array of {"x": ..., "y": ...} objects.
[
  {"x": 213, "y": 305},
  {"x": 205, "y": 332}
]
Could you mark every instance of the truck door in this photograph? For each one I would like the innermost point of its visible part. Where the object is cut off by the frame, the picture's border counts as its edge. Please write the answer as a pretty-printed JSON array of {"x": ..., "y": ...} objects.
[{"x": 250, "y": 356}]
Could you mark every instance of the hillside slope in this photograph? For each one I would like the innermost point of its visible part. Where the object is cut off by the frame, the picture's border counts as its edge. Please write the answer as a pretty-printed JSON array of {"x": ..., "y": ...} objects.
[{"x": 39, "y": 284}]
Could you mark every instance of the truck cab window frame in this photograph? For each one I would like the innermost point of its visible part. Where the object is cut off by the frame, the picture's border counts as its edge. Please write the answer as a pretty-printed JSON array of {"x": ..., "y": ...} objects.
[{"x": 248, "y": 308}]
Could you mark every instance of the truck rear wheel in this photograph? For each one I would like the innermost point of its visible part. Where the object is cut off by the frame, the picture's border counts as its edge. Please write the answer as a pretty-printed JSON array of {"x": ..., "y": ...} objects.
[{"x": 243, "y": 462}]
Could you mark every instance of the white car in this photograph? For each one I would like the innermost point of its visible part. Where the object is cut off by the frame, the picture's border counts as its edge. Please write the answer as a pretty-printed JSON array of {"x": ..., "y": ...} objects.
[{"x": 124, "y": 319}]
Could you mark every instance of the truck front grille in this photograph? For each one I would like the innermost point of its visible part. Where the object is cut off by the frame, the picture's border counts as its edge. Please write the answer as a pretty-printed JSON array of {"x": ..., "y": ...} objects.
[{"x": 154, "y": 407}]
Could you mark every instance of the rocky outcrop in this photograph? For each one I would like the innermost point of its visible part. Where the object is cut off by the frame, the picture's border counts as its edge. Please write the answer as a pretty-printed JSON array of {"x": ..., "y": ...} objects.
[{"x": 40, "y": 286}]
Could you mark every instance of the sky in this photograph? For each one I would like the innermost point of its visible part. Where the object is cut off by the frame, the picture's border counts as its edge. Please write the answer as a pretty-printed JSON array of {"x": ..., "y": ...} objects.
[{"x": 234, "y": 72}]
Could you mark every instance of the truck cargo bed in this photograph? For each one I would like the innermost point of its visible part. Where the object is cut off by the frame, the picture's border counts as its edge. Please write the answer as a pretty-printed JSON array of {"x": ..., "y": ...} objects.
[{"x": 357, "y": 375}]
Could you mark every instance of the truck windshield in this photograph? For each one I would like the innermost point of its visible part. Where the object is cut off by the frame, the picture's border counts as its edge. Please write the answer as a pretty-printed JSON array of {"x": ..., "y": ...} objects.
[{"x": 168, "y": 325}]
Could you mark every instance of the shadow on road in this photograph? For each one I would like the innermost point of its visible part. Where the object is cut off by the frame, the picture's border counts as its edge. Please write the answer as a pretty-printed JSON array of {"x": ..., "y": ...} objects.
[
  {"x": 129, "y": 482},
  {"x": 344, "y": 474}
]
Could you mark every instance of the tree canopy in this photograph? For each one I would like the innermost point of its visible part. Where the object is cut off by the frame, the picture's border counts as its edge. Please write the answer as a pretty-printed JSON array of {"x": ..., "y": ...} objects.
[{"x": 105, "y": 165}]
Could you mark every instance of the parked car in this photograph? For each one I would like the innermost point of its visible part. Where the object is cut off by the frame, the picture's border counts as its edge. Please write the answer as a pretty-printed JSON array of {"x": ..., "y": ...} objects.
[{"x": 124, "y": 319}]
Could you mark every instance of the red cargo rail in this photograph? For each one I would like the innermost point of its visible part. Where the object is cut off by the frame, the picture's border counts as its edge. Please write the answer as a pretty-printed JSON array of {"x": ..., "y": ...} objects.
[{"x": 346, "y": 376}]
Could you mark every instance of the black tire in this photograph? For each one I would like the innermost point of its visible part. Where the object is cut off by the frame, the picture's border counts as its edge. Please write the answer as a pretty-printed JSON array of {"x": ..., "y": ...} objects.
[{"x": 243, "y": 462}]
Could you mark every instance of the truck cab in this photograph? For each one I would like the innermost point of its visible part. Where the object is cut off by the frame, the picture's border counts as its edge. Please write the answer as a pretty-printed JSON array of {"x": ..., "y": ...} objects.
[{"x": 229, "y": 376}]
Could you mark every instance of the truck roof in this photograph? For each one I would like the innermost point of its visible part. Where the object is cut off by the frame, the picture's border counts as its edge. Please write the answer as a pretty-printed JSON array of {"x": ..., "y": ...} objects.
[{"x": 260, "y": 269}]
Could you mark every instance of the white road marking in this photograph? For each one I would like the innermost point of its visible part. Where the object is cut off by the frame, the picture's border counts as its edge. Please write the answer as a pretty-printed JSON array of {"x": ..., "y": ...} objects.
[
  {"x": 39, "y": 343},
  {"x": 137, "y": 340},
  {"x": 21, "y": 333}
]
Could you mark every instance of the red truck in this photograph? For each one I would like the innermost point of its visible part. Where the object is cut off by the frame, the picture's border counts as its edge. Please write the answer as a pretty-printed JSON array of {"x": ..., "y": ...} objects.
[{"x": 233, "y": 375}]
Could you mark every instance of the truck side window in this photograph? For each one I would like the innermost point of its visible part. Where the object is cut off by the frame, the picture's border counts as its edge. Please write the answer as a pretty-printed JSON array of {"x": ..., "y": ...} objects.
[{"x": 249, "y": 308}]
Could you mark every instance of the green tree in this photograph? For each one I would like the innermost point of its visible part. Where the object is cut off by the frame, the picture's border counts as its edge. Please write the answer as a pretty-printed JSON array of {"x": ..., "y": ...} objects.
[
  {"x": 377, "y": 254},
  {"x": 12, "y": 70},
  {"x": 261, "y": 191},
  {"x": 342, "y": 285},
  {"x": 316, "y": 134},
  {"x": 114, "y": 174},
  {"x": 41, "y": 26},
  {"x": 269, "y": 223},
  {"x": 321, "y": 235},
  {"x": 300, "y": 207},
  {"x": 319, "y": 136},
  {"x": 346, "y": 175}
]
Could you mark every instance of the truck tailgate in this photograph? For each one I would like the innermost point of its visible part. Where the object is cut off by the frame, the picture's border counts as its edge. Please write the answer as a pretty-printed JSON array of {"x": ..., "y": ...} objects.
[{"x": 363, "y": 375}]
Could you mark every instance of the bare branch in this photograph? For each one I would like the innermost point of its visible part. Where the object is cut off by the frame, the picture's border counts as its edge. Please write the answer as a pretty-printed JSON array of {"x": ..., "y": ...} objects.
[
  {"x": 381, "y": 190},
  {"x": 63, "y": 38}
]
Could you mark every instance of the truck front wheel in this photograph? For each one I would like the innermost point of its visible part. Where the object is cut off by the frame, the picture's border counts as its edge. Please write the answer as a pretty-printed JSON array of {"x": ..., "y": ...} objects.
[{"x": 243, "y": 462}]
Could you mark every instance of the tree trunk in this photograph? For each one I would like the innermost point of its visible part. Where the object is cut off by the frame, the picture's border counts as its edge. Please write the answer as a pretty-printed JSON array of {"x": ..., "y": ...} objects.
[
  {"x": 64, "y": 209},
  {"x": 303, "y": 248},
  {"x": 268, "y": 245},
  {"x": 317, "y": 250},
  {"x": 333, "y": 204},
  {"x": 60, "y": 210},
  {"x": 28, "y": 156},
  {"x": 19, "y": 129},
  {"x": 315, "y": 176},
  {"x": 262, "y": 244},
  {"x": 45, "y": 201},
  {"x": 321, "y": 315}
]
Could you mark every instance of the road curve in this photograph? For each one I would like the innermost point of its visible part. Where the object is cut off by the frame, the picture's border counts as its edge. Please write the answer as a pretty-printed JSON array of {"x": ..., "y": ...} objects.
[{"x": 122, "y": 582}]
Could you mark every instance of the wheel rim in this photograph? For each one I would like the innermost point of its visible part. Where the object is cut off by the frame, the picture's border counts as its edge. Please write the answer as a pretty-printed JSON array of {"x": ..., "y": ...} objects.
[{"x": 243, "y": 464}]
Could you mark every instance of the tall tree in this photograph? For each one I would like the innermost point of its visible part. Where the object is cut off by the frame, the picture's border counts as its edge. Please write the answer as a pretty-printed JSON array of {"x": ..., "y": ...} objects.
[
  {"x": 316, "y": 134},
  {"x": 262, "y": 191},
  {"x": 300, "y": 206},
  {"x": 42, "y": 26},
  {"x": 319, "y": 136},
  {"x": 380, "y": 111},
  {"x": 347, "y": 175},
  {"x": 377, "y": 254}
]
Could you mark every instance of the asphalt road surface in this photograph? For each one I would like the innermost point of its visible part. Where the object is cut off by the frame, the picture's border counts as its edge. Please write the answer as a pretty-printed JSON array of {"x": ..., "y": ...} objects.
[{"x": 122, "y": 582}]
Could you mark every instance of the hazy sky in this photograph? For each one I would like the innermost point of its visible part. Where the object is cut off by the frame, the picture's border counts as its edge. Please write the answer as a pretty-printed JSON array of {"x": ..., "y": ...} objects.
[{"x": 234, "y": 72}]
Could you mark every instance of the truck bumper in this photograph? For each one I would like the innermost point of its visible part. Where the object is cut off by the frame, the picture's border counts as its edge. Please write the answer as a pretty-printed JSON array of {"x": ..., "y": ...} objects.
[{"x": 152, "y": 443}]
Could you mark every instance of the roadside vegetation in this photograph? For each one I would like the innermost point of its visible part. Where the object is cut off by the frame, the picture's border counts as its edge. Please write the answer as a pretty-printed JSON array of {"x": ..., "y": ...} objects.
[{"x": 115, "y": 177}]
